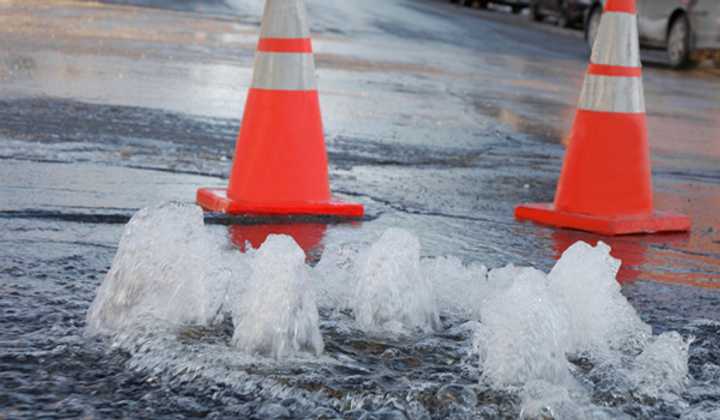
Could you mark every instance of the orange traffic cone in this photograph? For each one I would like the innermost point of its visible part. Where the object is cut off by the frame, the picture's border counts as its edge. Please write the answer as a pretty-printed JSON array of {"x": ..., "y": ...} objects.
[
  {"x": 280, "y": 164},
  {"x": 605, "y": 185}
]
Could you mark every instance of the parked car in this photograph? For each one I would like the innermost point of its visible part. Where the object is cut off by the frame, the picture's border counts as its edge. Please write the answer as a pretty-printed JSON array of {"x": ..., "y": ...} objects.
[
  {"x": 567, "y": 12},
  {"x": 516, "y": 5},
  {"x": 689, "y": 30}
]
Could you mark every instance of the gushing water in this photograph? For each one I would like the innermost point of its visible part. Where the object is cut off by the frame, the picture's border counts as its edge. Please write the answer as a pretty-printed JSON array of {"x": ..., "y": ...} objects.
[
  {"x": 392, "y": 293},
  {"x": 524, "y": 334},
  {"x": 165, "y": 269},
  {"x": 277, "y": 314},
  {"x": 598, "y": 315},
  {"x": 557, "y": 342}
]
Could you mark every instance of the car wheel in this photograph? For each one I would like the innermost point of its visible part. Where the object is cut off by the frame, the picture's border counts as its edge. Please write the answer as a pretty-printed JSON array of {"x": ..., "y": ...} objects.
[
  {"x": 717, "y": 62},
  {"x": 516, "y": 9},
  {"x": 678, "y": 43},
  {"x": 535, "y": 12},
  {"x": 592, "y": 26}
]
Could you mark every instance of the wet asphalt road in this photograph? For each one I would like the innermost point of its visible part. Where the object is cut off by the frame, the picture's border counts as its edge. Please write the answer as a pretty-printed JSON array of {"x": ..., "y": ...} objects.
[
  {"x": 438, "y": 118},
  {"x": 444, "y": 138}
]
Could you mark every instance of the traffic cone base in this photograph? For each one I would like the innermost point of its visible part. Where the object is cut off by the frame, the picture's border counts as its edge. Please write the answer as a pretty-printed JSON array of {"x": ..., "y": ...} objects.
[
  {"x": 655, "y": 222},
  {"x": 216, "y": 200}
]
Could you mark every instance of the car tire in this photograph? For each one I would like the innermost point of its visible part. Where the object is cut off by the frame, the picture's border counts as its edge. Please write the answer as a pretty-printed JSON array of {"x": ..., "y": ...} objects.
[
  {"x": 535, "y": 13},
  {"x": 516, "y": 9},
  {"x": 591, "y": 26},
  {"x": 717, "y": 62},
  {"x": 679, "y": 42}
]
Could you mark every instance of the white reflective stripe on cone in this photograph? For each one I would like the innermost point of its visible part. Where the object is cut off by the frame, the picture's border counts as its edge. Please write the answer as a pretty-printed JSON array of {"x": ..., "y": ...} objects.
[
  {"x": 612, "y": 94},
  {"x": 284, "y": 71},
  {"x": 617, "y": 41},
  {"x": 284, "y": 19}
]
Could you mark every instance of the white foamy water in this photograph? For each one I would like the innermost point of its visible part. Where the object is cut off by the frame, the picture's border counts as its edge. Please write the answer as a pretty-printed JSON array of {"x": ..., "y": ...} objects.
[
  {"x": 276, "y": 315},
  {"x": 530, "y": 329},
  {"x": 392, "y": 293},
  {"x": 600, "y": 318},
  {"x": 661, "y": 370},
  {"x": 166, "y": 268},
  {"x": 172, "y": 275},
  {"x": 523, "y": 335}
]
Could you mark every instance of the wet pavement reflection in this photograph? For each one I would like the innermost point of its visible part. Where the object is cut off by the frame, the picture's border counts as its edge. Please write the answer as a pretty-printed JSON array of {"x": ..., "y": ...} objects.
[{"x": 309, "y": 236}]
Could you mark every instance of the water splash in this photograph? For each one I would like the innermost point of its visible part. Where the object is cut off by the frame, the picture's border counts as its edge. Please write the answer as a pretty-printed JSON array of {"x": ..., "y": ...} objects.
[
  {"x": 184, "y": 303},
  {"x": 165, "y": 269},
  {"x": 524, "y": 334},
  {"x": 459, "y": 289},
  {"x": 661, "y": 370},
  {"x": 600, "y": 318},
  {"x": 548, "y": 400},
  {"x": 392, "y": 293},
  {"x": 277, "y": 314},
  {"x": 533, "y": 328}
]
